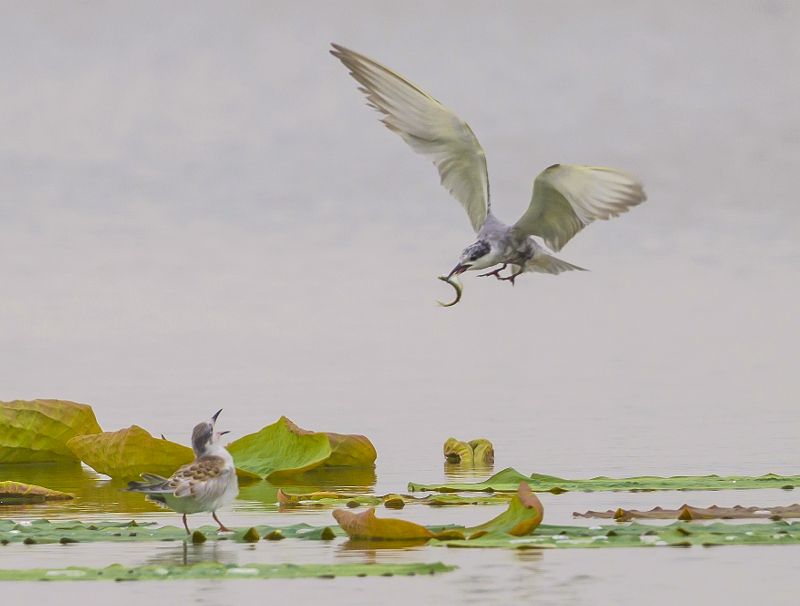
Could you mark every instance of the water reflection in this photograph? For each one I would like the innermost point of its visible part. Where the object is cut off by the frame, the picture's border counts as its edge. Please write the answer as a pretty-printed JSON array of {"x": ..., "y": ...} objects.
[
  {"x": 468, "y": 471},
  {"x": 94, "y": 493}
]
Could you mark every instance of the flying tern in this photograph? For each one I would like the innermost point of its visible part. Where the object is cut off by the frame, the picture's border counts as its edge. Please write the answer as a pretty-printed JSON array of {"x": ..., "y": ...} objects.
[{"x": 566, "y": 197}]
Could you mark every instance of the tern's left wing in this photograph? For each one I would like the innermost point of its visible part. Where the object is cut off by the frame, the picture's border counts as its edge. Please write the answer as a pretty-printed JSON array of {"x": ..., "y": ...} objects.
[
  {"x": 567, "y": 197},
  {"x": 429, "y": 128}
]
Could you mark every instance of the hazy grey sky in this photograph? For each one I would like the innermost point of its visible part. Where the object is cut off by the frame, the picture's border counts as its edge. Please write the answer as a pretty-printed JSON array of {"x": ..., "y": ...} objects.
[{"x": 198, "y": 210}]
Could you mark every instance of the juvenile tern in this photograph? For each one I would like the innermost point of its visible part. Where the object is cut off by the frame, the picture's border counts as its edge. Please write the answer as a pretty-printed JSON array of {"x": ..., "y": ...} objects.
[
  {"x": 206, "y": 484},
  {"x": 566, "y": 197}
]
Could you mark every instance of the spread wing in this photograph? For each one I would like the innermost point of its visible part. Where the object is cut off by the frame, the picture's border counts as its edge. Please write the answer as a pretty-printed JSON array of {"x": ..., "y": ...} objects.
[
  {"x": 429, "y": 128},
  {"x": 567, "y": 197}
]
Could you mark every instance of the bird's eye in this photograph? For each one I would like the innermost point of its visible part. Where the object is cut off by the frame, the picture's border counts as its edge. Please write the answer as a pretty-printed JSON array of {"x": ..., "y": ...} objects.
[{"x": 474, "y": 256}]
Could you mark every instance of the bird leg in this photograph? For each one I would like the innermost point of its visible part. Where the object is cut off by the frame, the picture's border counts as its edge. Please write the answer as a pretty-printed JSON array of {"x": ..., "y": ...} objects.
[
  {"x": 185, "y": 525},
  {"x": 222, "y": 527},
  {"x": 513, "y": 277},
  {"x": 495, "y": 273}
]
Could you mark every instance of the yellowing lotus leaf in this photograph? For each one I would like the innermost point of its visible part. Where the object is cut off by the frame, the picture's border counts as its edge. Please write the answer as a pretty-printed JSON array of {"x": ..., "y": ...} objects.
[
  {"x": 17, "y": 492},
  {"x": 468, "y": 453},
  {"x": 127, "y": 453},
  {"x": 366, "y": 526},
  {"x": 350, "y": 450},
  {"x": 37, "y": 431}
]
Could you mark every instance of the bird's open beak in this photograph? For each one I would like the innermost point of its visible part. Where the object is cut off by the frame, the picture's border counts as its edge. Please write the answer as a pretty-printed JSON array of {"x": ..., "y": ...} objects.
[
  {"x": 222, "y": 433},
  {"x": 458, "y": 269},
  {"x": 216, "y": 414}
]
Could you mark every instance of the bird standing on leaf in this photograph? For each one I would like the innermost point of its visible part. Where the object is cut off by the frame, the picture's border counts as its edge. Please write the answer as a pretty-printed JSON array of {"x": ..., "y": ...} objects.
[
  {"x": 206, "y": 484},
  {"x": 566, "y": 197}
]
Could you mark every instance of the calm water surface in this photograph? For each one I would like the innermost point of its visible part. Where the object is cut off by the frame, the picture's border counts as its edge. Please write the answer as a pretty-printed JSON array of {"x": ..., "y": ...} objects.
[{"x": 198, "y": 211}]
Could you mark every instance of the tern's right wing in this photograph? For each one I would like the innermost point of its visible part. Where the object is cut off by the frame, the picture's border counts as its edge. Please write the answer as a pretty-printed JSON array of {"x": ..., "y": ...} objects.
[{"x": 429, "y": 128}]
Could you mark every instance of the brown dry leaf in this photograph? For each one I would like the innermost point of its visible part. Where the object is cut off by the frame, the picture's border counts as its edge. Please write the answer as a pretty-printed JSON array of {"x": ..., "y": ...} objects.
[{"x": 689, "y": 512}]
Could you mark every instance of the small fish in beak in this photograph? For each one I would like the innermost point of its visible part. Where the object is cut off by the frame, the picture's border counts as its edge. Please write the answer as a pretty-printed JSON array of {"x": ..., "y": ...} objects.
[{"x": 453, "y": 281}]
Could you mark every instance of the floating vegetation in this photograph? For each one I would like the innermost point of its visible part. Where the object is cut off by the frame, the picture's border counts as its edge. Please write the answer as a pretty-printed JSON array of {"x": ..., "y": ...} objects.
[
  {"x": 688, "y": 512},
  {"x": 508, "y": 480},
  {"x": 679, "y": 534},
  {"x": 13, "y": 493},
  {"x": 282, "y": 450},
  {"x": 37, "y": 431},
  {"x": 326, "y": 498},
  {"x": 49, "y": 532},
  {"x": 524, "y": 513},
  {"x": 214, "y": 570},
  {"x": 468, "y": 453}
]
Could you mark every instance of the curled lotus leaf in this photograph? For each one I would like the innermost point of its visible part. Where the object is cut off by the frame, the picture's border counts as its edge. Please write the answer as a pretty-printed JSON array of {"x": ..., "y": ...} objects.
[
  {"x": 37, "y": 431},
  {"x": 468, "y": 453},
  {"x": 18, "y": 492},
  {"x": 366, "y": 526},
  {"x": 523, "y": 515}
]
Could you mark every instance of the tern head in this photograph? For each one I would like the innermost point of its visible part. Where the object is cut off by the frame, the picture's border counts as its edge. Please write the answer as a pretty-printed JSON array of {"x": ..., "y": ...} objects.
[
  {"x": 474, "y": 256},
  {"x": 205, "y": 435}
]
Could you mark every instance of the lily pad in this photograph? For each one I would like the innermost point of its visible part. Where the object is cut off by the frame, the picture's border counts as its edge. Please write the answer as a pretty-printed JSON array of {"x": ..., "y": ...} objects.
[
  {"x": 283, "y": 450},
  {"x": 214, "y": 570},
  {"x": 546, "y": 536},
  {"x": 468, "y": 453},
  {"x": 679, "y": 534},
  {"x": 508, "y": 480},
  {"x": 17, "y": 492},
  {"x": 37, "y": 431},
  {"x": 688, "y": 512},
  {"x": 326, "y": 498},
  {"x": 127, "y": 453}
]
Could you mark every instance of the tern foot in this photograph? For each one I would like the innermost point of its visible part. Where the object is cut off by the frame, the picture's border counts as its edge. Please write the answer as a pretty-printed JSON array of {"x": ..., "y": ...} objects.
[
  {"x": 222, "y": 527},
  {"x": 512, "y": 277},
  {"x": 495, "y": 273}
]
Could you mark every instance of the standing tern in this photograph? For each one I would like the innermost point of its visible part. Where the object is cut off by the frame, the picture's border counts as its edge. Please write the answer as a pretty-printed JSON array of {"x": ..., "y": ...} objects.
[
  {"x": 206, "y": 484},
  {"x": 566, "y": 197}
]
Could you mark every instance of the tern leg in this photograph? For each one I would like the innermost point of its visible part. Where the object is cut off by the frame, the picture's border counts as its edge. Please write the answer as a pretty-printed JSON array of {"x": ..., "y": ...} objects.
[
  {"x": 495, "y": 273},
  {"x": 185, "y": 525},
  {"x": 222, "y": 527},
  {"x": 513, "y": 277}
]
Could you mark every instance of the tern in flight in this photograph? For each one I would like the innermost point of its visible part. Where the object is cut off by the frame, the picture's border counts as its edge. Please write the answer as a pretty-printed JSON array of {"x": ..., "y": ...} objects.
[{"x": 566, "y": 197}]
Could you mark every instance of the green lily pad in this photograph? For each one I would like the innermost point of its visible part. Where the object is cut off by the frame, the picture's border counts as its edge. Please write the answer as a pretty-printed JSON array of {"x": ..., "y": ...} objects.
[
  {"x": 508, "y": 480},
  {"x": 17, "y": 492},
  {"x": 326, "y": 498},
  {"x": 545, "y": 536},
  {"x": 214, "y": 570},
  {"x": 60, "y": 531},
  {"x": 678, "y": 534},
  {"x": 689, "y": 512},
  {"x": 281, "y": 451},
  {"x": 37, "y": 431}
]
